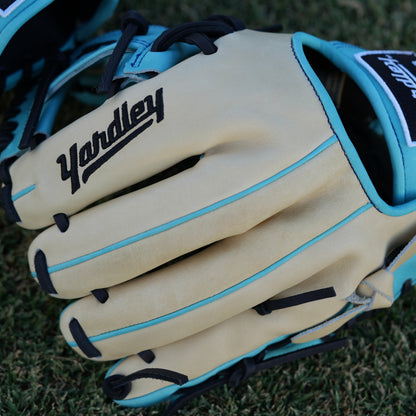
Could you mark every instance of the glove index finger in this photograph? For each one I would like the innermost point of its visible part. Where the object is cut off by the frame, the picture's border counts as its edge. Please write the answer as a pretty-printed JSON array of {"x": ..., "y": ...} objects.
[
  {"x": 147, "y": 128},
  {"x": 89, "y": 159}
]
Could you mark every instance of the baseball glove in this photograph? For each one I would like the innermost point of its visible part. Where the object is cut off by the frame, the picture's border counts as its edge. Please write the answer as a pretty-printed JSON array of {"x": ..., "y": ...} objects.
[{"x": 229, "y": 214}]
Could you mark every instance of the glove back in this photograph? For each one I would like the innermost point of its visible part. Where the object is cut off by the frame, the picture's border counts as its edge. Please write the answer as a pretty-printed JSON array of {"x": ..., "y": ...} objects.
[{"x": 266, "y": 200}]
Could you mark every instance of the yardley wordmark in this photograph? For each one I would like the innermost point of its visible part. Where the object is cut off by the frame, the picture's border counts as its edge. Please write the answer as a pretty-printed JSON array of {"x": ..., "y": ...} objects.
[
  {"x": 400, "y": 73},
  {"x": 126, "y": 125},
  {"x": 394, "y": 75}
]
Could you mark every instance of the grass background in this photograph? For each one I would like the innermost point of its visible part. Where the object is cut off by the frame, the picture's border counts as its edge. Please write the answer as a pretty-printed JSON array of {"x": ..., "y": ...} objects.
[{"x": 376, "y": 375}]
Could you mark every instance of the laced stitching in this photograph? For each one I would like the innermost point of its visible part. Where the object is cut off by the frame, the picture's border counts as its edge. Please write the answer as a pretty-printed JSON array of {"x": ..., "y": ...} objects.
[
  {"x": 132, "y": 24},
  {"x": 202, "y": 34}
]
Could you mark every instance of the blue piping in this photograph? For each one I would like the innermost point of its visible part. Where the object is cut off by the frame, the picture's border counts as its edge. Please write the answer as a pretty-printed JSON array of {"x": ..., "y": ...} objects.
[
  {"x": 230, "y": 290},
  {"x": 23, "y": 192},
  {"x": 191, "y": 216}
]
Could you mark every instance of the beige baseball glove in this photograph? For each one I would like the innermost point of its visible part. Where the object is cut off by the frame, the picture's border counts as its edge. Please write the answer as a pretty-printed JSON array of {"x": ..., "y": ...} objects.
[{"x": 228, "y": 214}]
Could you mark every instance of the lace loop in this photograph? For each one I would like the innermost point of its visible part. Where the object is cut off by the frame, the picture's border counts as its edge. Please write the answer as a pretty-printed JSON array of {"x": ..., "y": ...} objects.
[
  {"x": 202, "y": 41},
  {"x": 203, "y": 34},
  {"x": 118, "y": 386},
  {"x": 133, "y": 24},
  {"x": 135, "y": 19},
  {"x": 231, "y": 21}
]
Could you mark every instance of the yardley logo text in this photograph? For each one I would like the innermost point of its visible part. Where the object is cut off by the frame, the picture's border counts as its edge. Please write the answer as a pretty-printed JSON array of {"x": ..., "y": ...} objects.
[
  {"x": 127, "y": 124},
  {"x": 400, "y": 73}
]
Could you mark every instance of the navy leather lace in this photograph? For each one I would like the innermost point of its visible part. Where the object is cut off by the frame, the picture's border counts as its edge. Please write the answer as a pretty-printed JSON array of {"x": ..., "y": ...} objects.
[
  {"x": 202, "y": 34},
  {"x": 133, "y": 24}
]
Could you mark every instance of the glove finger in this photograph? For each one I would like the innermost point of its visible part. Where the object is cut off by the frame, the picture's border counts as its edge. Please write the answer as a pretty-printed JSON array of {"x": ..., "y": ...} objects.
[
  {"x": 198, "y": 292},
  {"x": 203, "y": 355},
  {"x": 221, "y": 281},
  {"x": 128, "y": 322},
  {"x": 249, "y": 342},
  {"x": 128, "y": 236},
  {"x": 106, "y": 150}
]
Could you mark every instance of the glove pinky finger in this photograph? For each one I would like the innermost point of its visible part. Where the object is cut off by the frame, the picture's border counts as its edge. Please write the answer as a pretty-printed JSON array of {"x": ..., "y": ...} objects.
[{"x": 227, "y": 353}]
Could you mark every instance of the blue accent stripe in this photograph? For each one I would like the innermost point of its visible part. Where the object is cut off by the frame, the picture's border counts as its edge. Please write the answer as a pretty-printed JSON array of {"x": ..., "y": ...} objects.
[
  {"x": 23, "y": 192},
  {"x": 232, "y": 289},
  {"x": 193, "y": 215}
]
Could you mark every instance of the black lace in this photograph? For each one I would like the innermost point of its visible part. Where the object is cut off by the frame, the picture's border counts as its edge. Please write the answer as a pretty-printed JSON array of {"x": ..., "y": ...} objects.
[
  {"x": 202, "y": 34},
  {"x": 132, "y": 24},
  {"x": 269, "y": 306},
  {"x": 118, "y": 386}
]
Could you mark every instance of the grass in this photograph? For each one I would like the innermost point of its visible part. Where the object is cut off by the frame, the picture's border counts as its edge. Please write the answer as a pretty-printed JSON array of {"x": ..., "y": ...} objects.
[{"x": 376, "y": 375}]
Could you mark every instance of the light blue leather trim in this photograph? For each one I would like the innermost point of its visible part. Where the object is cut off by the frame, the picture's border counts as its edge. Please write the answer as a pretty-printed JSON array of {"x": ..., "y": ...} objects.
[
  {"x": 23, "y": 192},
  {"x": 16, "y": 16},
  {"x": 300, "y": 40}
]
